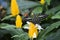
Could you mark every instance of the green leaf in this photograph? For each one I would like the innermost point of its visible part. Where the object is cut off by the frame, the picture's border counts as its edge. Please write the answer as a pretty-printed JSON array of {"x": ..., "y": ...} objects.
[
  {"x": 3, "y": 33},
  {"x": 23, "y": 4},
  {"x": 13, "y": 31},
  {"x": 54, "y": 36},
  {"x": 26, "y": 25},
  {"x": 37, "y": 10},
  {"x": 48, "y": 1},
  {"x": 7, "y": 17},
  {"x": 48, "y": 29},
  {"x": 53, "y": 10},
  {"x": 56, "y": 16}
]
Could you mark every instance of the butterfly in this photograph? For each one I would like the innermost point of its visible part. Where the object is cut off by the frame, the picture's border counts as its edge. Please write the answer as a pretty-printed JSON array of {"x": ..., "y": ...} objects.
[{"x": 36, "y": 19}]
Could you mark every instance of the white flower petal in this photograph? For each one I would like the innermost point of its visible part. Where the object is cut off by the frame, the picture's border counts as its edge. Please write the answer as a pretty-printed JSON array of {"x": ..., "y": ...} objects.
[
  {"x": 38, "y": 27},
  {"x": 28, "y": 22},
  {"x": 34, "y": 36}
]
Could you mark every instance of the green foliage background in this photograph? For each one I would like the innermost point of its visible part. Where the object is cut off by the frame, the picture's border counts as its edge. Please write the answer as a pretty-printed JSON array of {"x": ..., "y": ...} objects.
[{"x": 51, "y": 23}]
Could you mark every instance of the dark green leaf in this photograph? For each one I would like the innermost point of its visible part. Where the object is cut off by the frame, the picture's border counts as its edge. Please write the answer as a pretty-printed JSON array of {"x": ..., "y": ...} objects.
[
  {"x": 48, "y": 29},
  {"x": 48, "y": 1},
  {"x": 53, "y": 10},
  {"x": 37, "y": 10},
  {"x": 54, "y": 36},
  {"x": 56, "y": 16},
  {"x": 23, "y": 4},
  {"x": 13, "y": 31}
]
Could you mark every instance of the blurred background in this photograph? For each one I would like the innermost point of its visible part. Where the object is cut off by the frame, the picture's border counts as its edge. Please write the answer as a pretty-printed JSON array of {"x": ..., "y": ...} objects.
[{"x": 31, "y": 10}]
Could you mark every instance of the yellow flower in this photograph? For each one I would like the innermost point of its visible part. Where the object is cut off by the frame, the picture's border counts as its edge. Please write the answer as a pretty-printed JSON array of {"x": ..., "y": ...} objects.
[
  {"x": 42, "y": 2},
  {"x": 18, "y": 21},
  {"x": 14, "y": 8},
  {"x": 33, "y": 32}
]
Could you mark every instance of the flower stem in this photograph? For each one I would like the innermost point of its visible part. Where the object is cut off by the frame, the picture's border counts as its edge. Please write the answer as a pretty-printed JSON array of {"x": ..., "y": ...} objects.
[
  {"x": 31, "y": 38},
  {"x": 46, "y": 7}
]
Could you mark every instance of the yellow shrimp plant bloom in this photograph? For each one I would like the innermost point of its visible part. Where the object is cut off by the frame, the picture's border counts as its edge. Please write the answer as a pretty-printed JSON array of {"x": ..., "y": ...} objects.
[
  {"x": 18, "y": 21},
  {"x": 42, "y": 2},
  {"x": 33, "y": 32},
  {"x": 14, "y": 8}
]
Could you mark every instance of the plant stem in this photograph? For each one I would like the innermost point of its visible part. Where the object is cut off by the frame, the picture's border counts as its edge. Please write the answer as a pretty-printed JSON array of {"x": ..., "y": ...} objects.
[{"x": 46, "y": 7}]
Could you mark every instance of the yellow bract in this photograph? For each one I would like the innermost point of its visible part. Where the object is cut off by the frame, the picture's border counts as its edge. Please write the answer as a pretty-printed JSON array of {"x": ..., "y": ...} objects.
[
  {"x": 14, "y": 8},
  {"x": 18, "y": 21},
  {"x": 32, "y": 30},
  {"x": 42, "y": 2}
]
